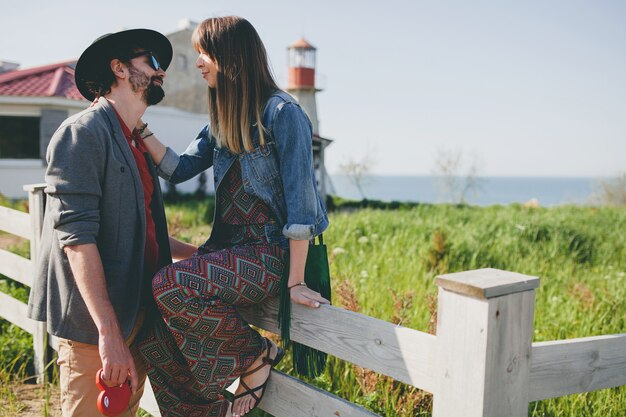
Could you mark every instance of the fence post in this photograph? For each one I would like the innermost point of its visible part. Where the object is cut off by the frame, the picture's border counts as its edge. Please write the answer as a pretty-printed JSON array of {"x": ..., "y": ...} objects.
[
  {"x": 484, "y": 342},
  {"x": 36, "y": 203}
]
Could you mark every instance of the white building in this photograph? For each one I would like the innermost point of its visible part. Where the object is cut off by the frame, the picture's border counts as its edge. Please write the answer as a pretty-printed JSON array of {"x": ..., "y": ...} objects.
[{"x": 34, "y": 101}]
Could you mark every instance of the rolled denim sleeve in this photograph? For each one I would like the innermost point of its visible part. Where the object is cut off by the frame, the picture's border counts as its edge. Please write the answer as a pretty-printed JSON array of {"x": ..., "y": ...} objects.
[
  {"x": 75, "y": 170},
  {"x": 293, "y": 136},
  {"x": 197, "y": 158},
  {"x": 168, "y": 164}
]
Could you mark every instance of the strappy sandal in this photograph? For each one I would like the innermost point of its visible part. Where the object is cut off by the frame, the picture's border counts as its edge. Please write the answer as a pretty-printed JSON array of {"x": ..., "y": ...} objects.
[{"x": 280, "y": 353}]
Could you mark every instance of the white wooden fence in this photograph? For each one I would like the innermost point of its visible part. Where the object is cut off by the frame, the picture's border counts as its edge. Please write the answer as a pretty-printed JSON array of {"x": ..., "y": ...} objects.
[{"x": 482, "y": 362}]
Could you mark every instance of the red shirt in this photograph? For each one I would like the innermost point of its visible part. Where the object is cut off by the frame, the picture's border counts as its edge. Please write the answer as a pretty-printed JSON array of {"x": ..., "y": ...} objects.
[{"x": 151, "y": 251}]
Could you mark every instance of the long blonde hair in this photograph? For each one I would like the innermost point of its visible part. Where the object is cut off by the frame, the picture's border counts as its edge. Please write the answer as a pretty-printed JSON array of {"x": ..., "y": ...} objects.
[{"x": 244, "y": 80}]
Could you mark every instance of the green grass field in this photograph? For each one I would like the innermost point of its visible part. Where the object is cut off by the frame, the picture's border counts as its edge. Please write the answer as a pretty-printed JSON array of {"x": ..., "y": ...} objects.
[
  {"x": 384, "y": 264},
  {"x": 388, "y": 260}
]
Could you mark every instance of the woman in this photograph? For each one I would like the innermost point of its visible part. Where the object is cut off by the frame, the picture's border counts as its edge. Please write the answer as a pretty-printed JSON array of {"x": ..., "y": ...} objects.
[{"x": 267, "y": 210}]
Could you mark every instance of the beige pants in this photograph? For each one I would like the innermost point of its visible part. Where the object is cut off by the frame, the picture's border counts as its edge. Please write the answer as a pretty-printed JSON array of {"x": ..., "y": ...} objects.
[{"x": 78, "y": 364}]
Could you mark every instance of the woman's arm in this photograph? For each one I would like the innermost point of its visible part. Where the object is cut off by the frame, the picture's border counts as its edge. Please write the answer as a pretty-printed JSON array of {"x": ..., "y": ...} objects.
[
  {"x": 293, "y": 137},
  {"x": 155, "y": 147},
  {"x": 301, "y": 294},
  {"x": 178, "y": 168}
]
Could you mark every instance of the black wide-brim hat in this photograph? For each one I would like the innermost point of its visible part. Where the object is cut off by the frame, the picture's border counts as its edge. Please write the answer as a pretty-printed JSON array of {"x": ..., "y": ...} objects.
[{"x": 94, "y": 61}]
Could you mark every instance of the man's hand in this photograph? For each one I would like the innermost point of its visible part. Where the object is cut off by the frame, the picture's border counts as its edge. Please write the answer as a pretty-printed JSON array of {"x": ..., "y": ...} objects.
[{"x": 117, "y": 361}]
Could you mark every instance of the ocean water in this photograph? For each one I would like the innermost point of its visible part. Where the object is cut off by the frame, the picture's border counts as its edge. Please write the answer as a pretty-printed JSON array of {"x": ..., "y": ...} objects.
[{"x": 490, "y": 190}]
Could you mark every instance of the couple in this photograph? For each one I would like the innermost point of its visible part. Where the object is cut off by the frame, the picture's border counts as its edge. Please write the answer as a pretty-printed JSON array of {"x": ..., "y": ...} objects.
[{"x": 105, "y": 282}]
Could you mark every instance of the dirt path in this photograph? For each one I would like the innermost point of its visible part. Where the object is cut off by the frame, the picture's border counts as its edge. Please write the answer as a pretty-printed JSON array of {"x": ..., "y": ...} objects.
[{"x": 31, "y": 402}]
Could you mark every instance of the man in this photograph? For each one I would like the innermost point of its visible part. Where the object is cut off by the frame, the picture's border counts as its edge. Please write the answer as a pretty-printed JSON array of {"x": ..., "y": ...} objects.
[{"x": 104, "y": 234}]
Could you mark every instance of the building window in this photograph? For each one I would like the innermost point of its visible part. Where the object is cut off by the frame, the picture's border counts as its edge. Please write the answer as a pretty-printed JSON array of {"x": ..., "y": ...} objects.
[{"x": 19, "y": 137}]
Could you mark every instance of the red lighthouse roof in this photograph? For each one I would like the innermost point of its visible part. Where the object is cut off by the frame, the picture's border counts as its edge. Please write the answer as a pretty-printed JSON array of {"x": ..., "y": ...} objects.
[
  {"x": 301, "y": 44},
  {"x": 54, "y": 80}
]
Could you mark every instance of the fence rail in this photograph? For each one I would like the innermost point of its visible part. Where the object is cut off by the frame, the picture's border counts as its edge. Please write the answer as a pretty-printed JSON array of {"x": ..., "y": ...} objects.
[
  {"x": 482, "y": 362},
  {"x": 15, "y": 222},
  {"x": 404, "y": 354},
  {"x": 16, "y": 267},
  {"x": 564, "y": 367}
]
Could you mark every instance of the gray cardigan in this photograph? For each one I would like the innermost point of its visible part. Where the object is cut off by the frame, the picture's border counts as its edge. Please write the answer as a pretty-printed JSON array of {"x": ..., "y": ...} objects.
[{"x": 94, "y": 195}]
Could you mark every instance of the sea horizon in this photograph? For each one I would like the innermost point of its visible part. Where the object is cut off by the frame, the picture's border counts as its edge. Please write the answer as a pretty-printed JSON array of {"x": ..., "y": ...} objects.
[{"x": 490, "y": 190}]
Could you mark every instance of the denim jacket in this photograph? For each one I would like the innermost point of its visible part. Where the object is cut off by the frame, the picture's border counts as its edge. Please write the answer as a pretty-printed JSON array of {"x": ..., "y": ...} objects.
[{"x": 280, "y": 172}]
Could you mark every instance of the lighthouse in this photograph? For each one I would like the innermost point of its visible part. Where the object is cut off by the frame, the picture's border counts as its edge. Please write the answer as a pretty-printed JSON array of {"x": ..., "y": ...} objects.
[
  {"x": 301, "y": 81},
  {"x": 301, "y": 85}
]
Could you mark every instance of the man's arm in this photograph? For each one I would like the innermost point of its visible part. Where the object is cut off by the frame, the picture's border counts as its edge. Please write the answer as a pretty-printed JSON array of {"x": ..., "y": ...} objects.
[
  {"x": 117, "y": 361},
  {"x": 181, "y": 250},
  {"x": 76, "y": 168}
]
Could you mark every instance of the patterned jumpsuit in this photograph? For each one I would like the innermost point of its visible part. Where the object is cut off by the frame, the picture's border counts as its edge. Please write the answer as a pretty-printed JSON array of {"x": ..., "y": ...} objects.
[{"x": 201, "y": 344}]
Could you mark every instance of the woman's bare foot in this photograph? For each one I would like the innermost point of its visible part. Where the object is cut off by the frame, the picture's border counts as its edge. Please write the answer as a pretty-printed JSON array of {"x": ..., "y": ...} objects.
[{"x": 255, "y": 376}]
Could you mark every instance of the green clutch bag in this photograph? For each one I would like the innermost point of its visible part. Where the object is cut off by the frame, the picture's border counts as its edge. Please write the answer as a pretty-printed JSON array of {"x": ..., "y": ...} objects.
[{"x": 307, "y": 361}]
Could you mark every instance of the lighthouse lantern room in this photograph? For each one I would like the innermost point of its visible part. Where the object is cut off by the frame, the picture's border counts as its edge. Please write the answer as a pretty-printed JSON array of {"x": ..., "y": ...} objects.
[{"x": 301, "y": 65}]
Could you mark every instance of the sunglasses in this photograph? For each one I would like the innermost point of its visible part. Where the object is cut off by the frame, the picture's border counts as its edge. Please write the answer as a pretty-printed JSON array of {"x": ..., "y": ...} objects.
[{"x": 153, "y": 61}]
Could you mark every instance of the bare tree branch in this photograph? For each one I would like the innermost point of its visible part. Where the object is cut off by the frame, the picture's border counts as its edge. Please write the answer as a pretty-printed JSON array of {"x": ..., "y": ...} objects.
[
  {"x": 455, "y": 185},
  {"x": 612, "y": 192},
  {"x": 357, "y": 170}
]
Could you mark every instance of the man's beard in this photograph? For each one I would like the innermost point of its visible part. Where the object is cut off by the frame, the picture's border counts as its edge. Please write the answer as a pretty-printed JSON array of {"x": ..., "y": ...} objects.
[{"x": 152, "y": 93}]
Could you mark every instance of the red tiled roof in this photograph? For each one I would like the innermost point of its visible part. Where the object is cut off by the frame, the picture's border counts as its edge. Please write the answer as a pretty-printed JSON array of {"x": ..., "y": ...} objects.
[
  {"x": 301, "y": 44},
  {"x": 54, "y": 80}
]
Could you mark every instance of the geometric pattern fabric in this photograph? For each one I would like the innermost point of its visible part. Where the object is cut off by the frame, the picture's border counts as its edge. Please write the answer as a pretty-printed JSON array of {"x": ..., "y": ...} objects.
[{"x": 201, "y": 344}]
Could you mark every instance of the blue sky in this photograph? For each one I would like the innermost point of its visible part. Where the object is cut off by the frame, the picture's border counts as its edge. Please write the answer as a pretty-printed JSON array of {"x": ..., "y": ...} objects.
[{"x": 532, "y": 88}]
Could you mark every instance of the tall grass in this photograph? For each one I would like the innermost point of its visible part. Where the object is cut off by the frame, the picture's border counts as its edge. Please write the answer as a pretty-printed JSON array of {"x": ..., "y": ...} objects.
[
  {"x": 579, "y": 253},
  {"x": 384, "y": 264},
  {"x": 189, "y": 220}
]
